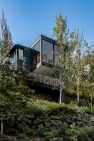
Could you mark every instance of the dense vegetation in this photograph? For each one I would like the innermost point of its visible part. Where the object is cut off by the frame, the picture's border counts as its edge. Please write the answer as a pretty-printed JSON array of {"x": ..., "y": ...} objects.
[{"x": 74, "y": 71}]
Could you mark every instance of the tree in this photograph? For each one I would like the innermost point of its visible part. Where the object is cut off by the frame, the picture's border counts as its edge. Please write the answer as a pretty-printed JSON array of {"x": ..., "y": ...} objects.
[
  {"x": 73, "y": 50},
  {"x": 6, "y": 85},
  {"x": 13, "y": 95},
  {"x": 6, "y": 37},
  {"x": 61, "y": 36}
]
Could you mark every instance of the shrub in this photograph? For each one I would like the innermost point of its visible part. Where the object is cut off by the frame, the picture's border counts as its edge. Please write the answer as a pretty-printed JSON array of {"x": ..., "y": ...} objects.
[
  {"x": 2, "y": 135},
  {"x": 38, "y": 109},
  {"x": 69, "y": 109},
  {"x": 72, "y": 132},
  {"x": 83, "y": 134},
  {"x": 61, "y": 131},
  {"x": 21, "y": 136},
  {"x": 90, "y": 132},
  {"x": 29, "y": 132},
  {"x": 42, "y": 132},
  {"x": 48, "y": 136},
  {"x": 55, "y": 108}
]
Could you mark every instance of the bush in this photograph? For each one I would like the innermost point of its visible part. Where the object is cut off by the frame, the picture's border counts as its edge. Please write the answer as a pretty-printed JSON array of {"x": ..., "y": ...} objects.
[
  {"x": 90, "y": 132},
  {"x": 48, "y": 136},
  {"x": 22, "y": 136},
  {"x": 55, "y": 108},
  {"x": 38, "y": 109},
  {"x": 29, "y": 132},
  {"x": 72, "y": 132},
  {"x": 83, "y": 134},
  {"x": 69, "y": 109},
  {"x": 86, "y": 133},
  {"x": 2, "y": 135}
]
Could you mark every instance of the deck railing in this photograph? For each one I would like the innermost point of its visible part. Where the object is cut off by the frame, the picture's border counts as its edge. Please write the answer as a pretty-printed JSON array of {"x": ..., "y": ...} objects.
[{"x": 44, "y": 79}]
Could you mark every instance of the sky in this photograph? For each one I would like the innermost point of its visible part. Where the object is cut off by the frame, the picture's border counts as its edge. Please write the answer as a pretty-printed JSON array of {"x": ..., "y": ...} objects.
[{"x": 27, "y": 19}]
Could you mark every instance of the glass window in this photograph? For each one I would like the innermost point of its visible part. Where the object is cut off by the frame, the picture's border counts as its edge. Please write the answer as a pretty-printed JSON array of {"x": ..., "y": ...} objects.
[
  {"x": 20, "y": 54},
  {"x": 47, "y": 54},
  {"x": 36, "y": 48},
  {"x": 12, "y": 58}
]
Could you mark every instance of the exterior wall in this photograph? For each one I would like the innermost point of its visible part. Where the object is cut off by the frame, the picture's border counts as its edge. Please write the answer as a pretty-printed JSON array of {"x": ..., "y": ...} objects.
[
  {"x": 27, "y": 60},
  {"x": 23, "y": 59}
]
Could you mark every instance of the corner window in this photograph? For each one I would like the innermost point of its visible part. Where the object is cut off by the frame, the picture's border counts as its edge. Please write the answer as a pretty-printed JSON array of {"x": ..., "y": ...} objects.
[
  {"x": 12, "y": 58},
  {"x": 47, "y": 52},
  {"x": 20, "y": 54},
  {"x": 36, "y": 48}
]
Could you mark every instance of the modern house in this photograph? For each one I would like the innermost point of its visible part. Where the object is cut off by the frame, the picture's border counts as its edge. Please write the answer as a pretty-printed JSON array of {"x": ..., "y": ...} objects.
[
  {"x": 39, "y": 60},
  {"x": 45, "y": 54},
  {"x": 40, "y": 57}
]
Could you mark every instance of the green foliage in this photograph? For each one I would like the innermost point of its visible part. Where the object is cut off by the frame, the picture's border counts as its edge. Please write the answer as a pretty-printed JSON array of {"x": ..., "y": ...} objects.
[
  {"x": 29, "y": 132},
  {"x": 54, "y": 109},
  {"x": 6, "y": 37},
  {"x": 72, "y": 132},
  {"x": 62, "y": 130},
  {"x": 21, "y": 136},
  {"x": 83, "y": 135},
  {"x": 48, "y": 136},
  {"x": 2, "y": 135},
  {"x": 91, "y": 133},
  {"x": 38, "y": 109}
]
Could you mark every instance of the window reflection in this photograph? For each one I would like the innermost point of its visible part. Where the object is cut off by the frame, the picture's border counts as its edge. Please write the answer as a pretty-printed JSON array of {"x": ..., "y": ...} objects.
[
  {"x": 36, "y": 48},
  {"x": 12, "y": 58},
  {"x": 47, "y": 52}
]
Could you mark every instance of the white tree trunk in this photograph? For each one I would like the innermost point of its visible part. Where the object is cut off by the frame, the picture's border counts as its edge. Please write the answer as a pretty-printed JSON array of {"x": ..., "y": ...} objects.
[
  {"x": 2, "y": 125},
  {"x": 60, "y": 97},
  {"x": 78, "y": 98}
]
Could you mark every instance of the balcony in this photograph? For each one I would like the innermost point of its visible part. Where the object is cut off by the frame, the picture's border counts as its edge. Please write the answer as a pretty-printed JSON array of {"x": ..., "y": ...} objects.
[{"x": 44, "y": 80}]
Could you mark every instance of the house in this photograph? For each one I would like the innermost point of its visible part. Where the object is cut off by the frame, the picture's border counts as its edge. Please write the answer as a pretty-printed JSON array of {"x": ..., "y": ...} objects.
[
  {"x": 38, "y": 60},
  {"x": 40, "y": 57}
]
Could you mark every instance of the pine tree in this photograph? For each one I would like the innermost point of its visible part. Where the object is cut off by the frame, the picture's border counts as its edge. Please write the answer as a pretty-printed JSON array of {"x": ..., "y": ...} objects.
[{"x": 6, "y": 37}]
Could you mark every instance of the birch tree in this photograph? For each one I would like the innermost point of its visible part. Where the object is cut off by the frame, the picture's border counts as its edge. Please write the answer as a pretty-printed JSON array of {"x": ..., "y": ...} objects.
[{"x": 61, "y": 37}]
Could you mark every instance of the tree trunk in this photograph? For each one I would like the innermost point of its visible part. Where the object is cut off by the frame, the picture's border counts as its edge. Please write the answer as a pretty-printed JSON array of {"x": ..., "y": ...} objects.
[
  {"x": 60, "y": 97},
  {"x": 91, "y": 102},
  {"x": 2, "y": 125},
  {"x": 78, "y": 90}
]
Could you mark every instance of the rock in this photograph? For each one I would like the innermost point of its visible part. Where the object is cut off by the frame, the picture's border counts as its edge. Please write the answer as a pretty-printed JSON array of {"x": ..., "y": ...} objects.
[
  {"x": 56, "y": 139},
  {"x": 73, "y": 125},
  {"x": 70, "y": 139},
  {"x": 37, "y": 121},
  {"x": 54, "y": 128},
  {"x": 47, "y": 124},
  {"x": 79, "y": 123},
  {"x": 56, "y": 122},
  {"x": 38, "y": 139},
  {"x": 40, "y": 127},
  {"x": 55, "y": 117},
  {"x": 92, "y": 119}
]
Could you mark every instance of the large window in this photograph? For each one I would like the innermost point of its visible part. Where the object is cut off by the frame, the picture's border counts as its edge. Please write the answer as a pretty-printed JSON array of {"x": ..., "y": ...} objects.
[
  {"x": 12, "y": 58},
  {"x": 36, "y": 48},
  {"x": 47, "y": 52},
  {"x": 20, "y": 54}
]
